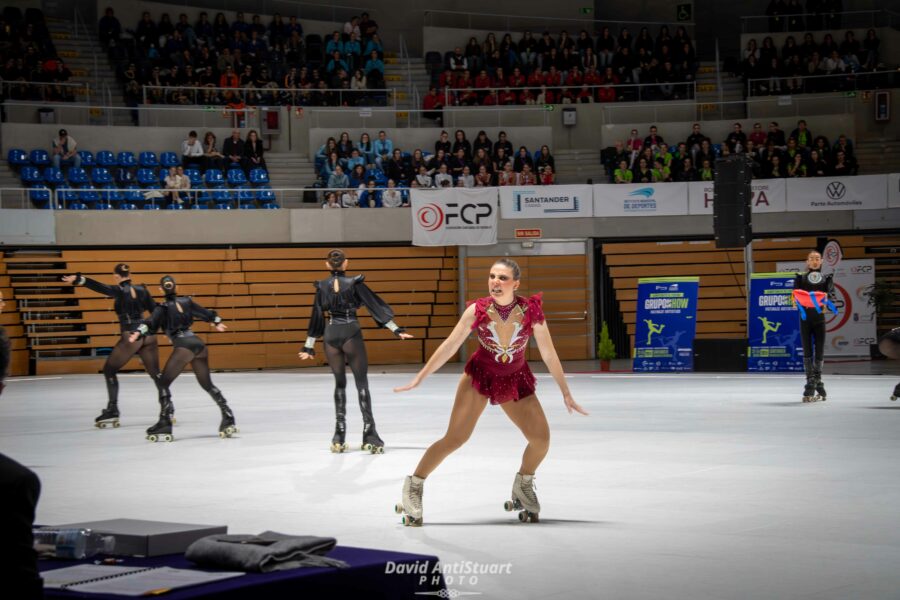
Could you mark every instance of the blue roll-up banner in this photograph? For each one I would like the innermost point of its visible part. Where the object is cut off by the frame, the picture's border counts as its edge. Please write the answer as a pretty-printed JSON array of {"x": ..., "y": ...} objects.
[
  {"x": 774, "y": 328},
  {"x": 666, "y": 324}
]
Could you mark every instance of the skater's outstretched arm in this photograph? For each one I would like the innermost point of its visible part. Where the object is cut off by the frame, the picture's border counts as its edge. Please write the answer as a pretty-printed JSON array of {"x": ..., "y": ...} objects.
[
  {"x": 91, "y": 284},
  {"x": 378, "y": 308},
  {"x": 208, "y": 315},
  {"x": 149, "y": 326},
  {"x": 551, "y": 359},
  {"x": 446, "y": 350}
]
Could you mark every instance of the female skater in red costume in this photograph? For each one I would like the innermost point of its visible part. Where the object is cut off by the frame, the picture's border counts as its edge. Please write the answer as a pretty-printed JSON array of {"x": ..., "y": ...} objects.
[{"x": 497, "y": 371}]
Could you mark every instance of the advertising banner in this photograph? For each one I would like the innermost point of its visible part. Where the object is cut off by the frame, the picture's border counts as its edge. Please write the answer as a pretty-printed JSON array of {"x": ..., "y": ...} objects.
[
  {"x": 863, "y": 192},
  {"x": 666, "y": 324},
  {"x": 546, "y": 202},
  {"x": 774, "y": 327},
  {"x": 636, "y": 199},
  {"x": 893, "y": 190},
  {"x": 850, "y": 332},
  {"x": 454, "y": 217},
  {"x": 767, "y": 195}
]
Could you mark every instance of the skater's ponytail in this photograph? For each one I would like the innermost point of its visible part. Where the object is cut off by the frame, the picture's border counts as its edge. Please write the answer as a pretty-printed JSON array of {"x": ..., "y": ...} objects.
[
  {"x": 336, "y": 259},
  {"x": 511, "y": 265}
]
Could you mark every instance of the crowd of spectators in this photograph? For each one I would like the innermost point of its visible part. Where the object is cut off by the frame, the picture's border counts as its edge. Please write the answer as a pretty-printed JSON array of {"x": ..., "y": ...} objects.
[
  {"x": 29, "y": 59},
  {"x": 791, "y": 15},
  {"x": 772, "y": 154},
  {"x": 366, "y": 172},
  {"x": 245, "y": 63},
  {"x": 769, "y": 70},
  {"x": 547, "y": 70}
]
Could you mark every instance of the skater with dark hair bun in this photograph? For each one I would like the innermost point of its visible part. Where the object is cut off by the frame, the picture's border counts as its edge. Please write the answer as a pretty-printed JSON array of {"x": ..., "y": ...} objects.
[
  {"x": 889, "y": 345},
  {"x": 131, "y": 301},
  {"x": 341, "y": 296},
  {"x": 176, "y": 315},
  {"x": 496, "y": 372},
  {"x": 812, "y": 294}
]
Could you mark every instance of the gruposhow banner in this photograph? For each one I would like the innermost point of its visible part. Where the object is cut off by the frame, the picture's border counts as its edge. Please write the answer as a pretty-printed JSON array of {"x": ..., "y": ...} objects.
[
  {"x": 774, "y": 329},
  {"x": 666, "y": 324}
]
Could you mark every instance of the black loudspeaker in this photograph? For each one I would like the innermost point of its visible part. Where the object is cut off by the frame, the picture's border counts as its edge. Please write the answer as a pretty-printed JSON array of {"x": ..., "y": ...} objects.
[
  {"x": 720, "y": 355},
  {"x": 731, "y": 206}
]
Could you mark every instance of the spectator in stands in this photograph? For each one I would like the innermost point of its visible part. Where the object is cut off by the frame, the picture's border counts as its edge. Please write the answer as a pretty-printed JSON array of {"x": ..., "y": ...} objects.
[
  {"x": 483, "y": 178},
  {"x": 367, "y": 26},
  {"x": 653, "y": 140},
  {"x": 522, "y": 158},
  {"x": 349, "y": 198},
  {"x": 384, "y": 149},
  {"x": 338, "y": 179},
  {"x": 176, "y": 181},
  {"x": 803, "y": 135},
  {"x": 527, "y": 176},
  {"x": 736, "y": 140},
  {"x": 233, "y": 148},
  {"x": 547, "y": 176},
  {"x": 458, "y": 62},
  {"x": 109, "y": 28},
  {"x": 687, "y": 172},
  {"x": 374, "y": 45},
  {"x": 507, "y": 175},
  {"x": 503, "y": 143},
  {"x": 844, "y": 145},
  {"x": 212, "y": 158},
  {"x": 870, "y": 48},
  {"x": 253, "y": 153},
  {"x": 192, "y": 151},
  {"x": 841, "y": 166},
  {"x": 374, "y": 70},
  {"x": 457, "y": 162},
  {"x": 773, "y": 169},
  {"x": 776, "y": 136},
  {"x": 423, "y": 179},
  {"x": 443, "y": 143},
  {"x": 370, "y": 197},
  {"x": 545, "y": 159},
  {"x": 398, "y": 168},
  {"x": 358, "y": 176},
  {"x": 437, "y": 159},
  {"x": 460, "y": 142},
  {"x": 64, "y": 151},
  {"x": 331, "y": 201},
  {"x": 442, "y": 178},
  {"x": 757, "y": 136},
  {"x": 797, "y": 168},
  {"x": 642, "y": 173},
  {"x": 817, "y": 166},
  {"x": 393, "y": 197}
]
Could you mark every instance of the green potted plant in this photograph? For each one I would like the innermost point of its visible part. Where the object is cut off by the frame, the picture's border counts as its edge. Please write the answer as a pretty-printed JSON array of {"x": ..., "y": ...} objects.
[
  {"x": 881, "y": 297},
  {"x": 606, "y": 350}
]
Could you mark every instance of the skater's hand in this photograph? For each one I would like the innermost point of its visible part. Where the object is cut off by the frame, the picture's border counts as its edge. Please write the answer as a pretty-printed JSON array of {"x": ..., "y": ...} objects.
[
  {"x": 572, "y": 405},
  {"x": 135, "y": 335},
  {"x": 220, "y": 327},
  {"x": 412, "y": 384},
  {"x": 69, "y": 278},
  {"x": 405, "y": 336},
  {"x": 304, "y": 355}
]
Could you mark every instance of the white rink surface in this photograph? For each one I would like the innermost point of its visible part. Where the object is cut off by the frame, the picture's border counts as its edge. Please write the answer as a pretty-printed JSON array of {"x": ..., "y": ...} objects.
[{"x": 694, "y": 486}]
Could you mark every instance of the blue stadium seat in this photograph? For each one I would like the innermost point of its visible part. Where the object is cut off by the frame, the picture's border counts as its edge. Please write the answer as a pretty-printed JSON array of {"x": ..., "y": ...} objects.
[
  {"x": 214, "y": 178},
  {"x": 77, "y": 206},
  {"x": 101, "y": 177},
  {"x": 148, "y": 160},
  {"x": 17, "y": 157},
  {"x": 259, "y": 176},
  {"x": 169, "y": 159},
  {"x": 146, "y": 177},
  {"x": 124, "y": 176},
  {"x": 717, "y": 149},
  {"x": 200, "y": 205},
  {"x": 236, "y": 177},
  {"x": 105, "y": 158},
  {"x": 246, "y": 199},
  {"x": 66, "y": 196},
  {"x": 54, "y": 176},
  {"x": 163, "y": 173},
  {"x": 175, "y": 206},
  {"x": 32, "y": 176},
  {"x": 126, "y": 160},
  {"x": 39, "y": 158},
  {"x": 89, "y": 195},
  {"x": 222, "y": 199},
  {"x": 103, "y": 205},
  {"x": 153, "y": 205},
  {"x": 87, "y": 159},
  {"x": 78, "y": 176},
  {"x": 112, "y": 196},
  {"x": 195, "y": 177},
  {"x": 40, "y": 196}
]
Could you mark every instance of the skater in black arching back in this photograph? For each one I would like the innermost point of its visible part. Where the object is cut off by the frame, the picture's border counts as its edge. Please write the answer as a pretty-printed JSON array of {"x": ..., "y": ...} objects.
[
  {"x": 340, "y": 296},
  {"x": 890, "y": 347},
  {"x": 176, "y": 315},
  {"x": 815, "y": 291},
  {"x": 131, "y": 301}
]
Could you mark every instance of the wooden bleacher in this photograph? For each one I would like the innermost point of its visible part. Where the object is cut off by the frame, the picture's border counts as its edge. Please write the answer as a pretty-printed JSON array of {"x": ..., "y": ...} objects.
[{"x": 722, "y": 304}]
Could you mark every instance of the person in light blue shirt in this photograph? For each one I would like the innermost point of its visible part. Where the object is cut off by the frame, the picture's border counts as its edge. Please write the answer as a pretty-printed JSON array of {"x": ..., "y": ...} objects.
[
  {"x": 355, "y": 159},
  {"x": 334, "y": 43},
  {"x": 374, "y": 45},
  {"x": 352, "y": 50},
  {"x": 336, "y": 63},
  {"x": 384, "y": 148},
  {"x": 338, "y": 179},
  {"x": 370, "y": 198},
  {"x": 374, "y": 64}
]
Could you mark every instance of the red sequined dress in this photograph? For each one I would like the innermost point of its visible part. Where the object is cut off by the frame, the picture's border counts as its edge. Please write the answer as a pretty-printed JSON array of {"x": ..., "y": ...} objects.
[{"x": 498, "y": 368}]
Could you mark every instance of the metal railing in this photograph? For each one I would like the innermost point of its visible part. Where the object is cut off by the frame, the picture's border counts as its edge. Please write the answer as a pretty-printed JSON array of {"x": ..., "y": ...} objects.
[
  {"x": 519, "y": 22},
  {"x": 454, "y": 116},
  {"x": 24, "y": 90},
  {"x": 150, "y": 115},
  {"x": 265, "y": 96},
  {"x": 801, "y": 22},
  {"x": 83, "y": 33},
  {"x": 810, "y": 84},
  {"x": 319, "y": 11},
  {"x": 635, "y": 92}
]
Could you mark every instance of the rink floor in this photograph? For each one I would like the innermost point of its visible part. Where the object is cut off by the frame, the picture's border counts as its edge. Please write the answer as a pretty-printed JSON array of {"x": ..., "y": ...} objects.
[{"x": 687, "y": 486}]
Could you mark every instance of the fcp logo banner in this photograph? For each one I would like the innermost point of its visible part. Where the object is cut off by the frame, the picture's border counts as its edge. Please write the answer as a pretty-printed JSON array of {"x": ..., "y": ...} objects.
[{"x": 454, "y": 217}]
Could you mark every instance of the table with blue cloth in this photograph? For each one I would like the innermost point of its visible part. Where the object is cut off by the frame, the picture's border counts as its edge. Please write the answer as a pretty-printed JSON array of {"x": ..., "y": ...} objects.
[{"x": 369, "y": 576}]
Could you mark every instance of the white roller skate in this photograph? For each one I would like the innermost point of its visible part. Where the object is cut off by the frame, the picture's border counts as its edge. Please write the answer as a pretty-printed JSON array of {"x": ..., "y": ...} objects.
[
  {"x": 524, "y": 499},
  {"x": 411, "y": 502}
]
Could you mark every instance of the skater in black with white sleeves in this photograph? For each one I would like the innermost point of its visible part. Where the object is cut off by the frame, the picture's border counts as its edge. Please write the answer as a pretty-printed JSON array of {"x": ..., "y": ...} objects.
[
  {"x": 131, "y": 302},
  {"x": 889, "y": 345},
  {"x": 812, "y": 293},
  {"x": 341, "y": 296},
  {"x": 176, "y": 315}
]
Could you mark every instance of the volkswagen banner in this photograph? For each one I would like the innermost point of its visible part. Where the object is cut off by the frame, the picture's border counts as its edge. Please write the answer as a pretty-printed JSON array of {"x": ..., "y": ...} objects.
[
  {"x": 454, "y": 217},
  {"x": 863, "y": 192},
  {"x": 546, "y": 202}
]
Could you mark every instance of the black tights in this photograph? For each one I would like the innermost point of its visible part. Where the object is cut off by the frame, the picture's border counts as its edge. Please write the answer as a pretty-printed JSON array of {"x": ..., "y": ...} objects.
[
  {"x": 178, "y": 361},
  {"x": 813, "y": 333},
  {"x": 123, "y": 351},
  {"x": 350, "y": 350}
]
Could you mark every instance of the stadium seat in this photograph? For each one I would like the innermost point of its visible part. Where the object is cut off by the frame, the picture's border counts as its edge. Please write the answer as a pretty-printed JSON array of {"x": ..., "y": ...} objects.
[
  {"x": 113, "y": 196},
  {"x": 175, "y": 206},
  {"x": 103, "y": 205},
  {"x": 148, "y": 160},
  {"x": 169, "y": 159},
  {"x": 126, "y": 160},
  {"x": 222, "y": 199},
  {"x": 32, "y": 176},
  {"x": 89, "y": 195},
  {"x": 236, "y": 178},
  {"x": 124, "y": 177},
  {"x": 87, "y": 159},
  {"x": 106, "y": 159},
  {"x": 247, "y": 199},
  {"x": 163, "y": 173},
  {"x": 77, "y": 205},
  {"x": 259, "y": 177},
  {"x": 434, "y": 63},
  {"x": 39, "y": 158},
  {"x": 78, "y": 176},
  {"x": 101, "y": 177},
  {"x": 195, "y": 177},
  {"x": 18, "y": 158},
  {"x": 146, "y": 177},
  {"x": 40, "y": 196},
  {"x": 214, "y": 178},
  {"x": 66, "y": 196},
  {"x": 54, "y": 176}
]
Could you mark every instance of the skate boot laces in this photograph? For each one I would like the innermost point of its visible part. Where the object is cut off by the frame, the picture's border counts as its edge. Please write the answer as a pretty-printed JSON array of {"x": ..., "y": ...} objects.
[
  {"x": 527, "y": 489},
  {"x": 415, "y": 496}
]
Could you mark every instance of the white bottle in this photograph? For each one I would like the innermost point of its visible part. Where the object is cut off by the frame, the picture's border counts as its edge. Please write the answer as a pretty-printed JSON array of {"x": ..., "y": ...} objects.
[{"x": 72, "y": 543}]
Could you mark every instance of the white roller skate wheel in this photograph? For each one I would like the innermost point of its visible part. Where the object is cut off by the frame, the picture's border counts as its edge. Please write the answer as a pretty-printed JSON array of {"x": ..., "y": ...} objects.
[
  {"x": 115, "y": 423},
  {"x": 168, "y": 438},
  {"x": 523, "y": 516},
  {"x": 398, "y": 508},
  {"x": 152, "y": 437},
  {"x": 893, "y": 398},
  {"x": 378, "y": 450},
  {"x": 508, "y": 506}
]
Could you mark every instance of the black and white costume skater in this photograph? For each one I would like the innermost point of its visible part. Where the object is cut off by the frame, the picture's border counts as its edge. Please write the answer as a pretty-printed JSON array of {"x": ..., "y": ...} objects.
[
  {"x": 889, "y": 344},
  {"x": 176, "y": 315},
  {"x": 131, "y": 301},
  {"x": 340, "y": 297},
  {"x": 812, "y": 332}
]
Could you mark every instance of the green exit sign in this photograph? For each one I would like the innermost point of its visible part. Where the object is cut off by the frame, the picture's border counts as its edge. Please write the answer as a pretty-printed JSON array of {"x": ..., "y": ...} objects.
[
  {"x": 586, "y": 10},
  {"x": 684, "y": 12}
]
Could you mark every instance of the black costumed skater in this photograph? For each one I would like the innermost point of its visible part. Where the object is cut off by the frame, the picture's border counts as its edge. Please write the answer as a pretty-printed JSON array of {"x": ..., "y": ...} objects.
[
  {"x": 889, "y": 345},
  {"x": 131, "y": 302},
  {"x": 175, "y": 315},
  {"x": 496, "y": 372},
  {"x": 813, "y": 292},
  {"x": 341, "y": 296}
]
